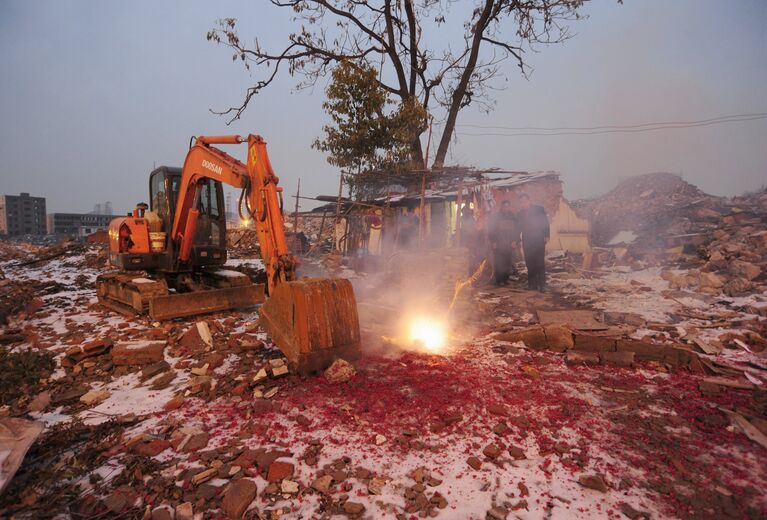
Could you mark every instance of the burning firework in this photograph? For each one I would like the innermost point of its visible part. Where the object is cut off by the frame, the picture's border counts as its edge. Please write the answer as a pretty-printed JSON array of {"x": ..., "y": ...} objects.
[{"x": 429, "y": 332}]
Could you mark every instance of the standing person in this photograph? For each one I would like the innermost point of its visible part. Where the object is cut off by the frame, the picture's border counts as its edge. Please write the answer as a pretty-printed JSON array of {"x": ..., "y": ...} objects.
[
  {"x": 471, "y": 239},
  {"x": 408, "y": 230},
  {"x": 534, "y": 229},
  {"x": 503, "y": 235}
]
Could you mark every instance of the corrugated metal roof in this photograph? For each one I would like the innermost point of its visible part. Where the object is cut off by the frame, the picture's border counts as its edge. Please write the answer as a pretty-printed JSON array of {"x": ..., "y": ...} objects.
[
  {"x": 494, "y": 179},
  {"x": 498, "y": 179}
]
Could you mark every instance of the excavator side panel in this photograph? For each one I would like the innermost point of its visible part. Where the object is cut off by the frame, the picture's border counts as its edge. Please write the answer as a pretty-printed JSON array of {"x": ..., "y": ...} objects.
[{"x": 313, "y": 322}]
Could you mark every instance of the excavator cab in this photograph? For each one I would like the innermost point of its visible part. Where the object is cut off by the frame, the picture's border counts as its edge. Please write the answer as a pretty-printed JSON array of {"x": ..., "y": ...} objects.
[{"x": 209, "y": 246}]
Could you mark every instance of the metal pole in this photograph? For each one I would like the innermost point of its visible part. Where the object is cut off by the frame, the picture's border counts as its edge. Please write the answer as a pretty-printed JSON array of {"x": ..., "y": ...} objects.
[
  {"x": 338, "y": 211},
  {"x": 322, "y": 226},
  {"x": 422, "y": 221},
  {"x": 295, "y": 214},
  {"x": 458, "y": 202}
]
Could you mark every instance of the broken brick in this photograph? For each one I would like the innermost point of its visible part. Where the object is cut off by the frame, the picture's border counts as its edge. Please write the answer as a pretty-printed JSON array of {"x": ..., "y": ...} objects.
[
  {"x": 278, "y": 471},
  {"x": 238, "y": 497},
  {"x": 619, "y": 359},
  {"x": 575, "y": 357},
  {"x": 474, "y": 462},
  {"x": 491, "y": 451},
  {"x": 593, "y": 482},
  {"x": 138, "y": 352},
  {"x": 592, "y": 343}
]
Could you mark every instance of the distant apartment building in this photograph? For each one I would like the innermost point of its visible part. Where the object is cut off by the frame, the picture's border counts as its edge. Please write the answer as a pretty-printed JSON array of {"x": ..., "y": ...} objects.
[
  {"x": 22, "y": 215},
  {"x": 104, "y": 208},
  {"x": 77, "y": 224}
]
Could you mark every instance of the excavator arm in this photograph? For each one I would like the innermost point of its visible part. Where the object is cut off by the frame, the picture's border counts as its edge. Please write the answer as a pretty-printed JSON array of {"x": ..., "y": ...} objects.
[
  {"x": 313, "y": 321},
  {"x": 261, "y": 194}
]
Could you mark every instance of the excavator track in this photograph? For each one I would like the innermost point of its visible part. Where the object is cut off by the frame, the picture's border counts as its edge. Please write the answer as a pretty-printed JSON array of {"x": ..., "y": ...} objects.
[{"x": 130, "y": 295}]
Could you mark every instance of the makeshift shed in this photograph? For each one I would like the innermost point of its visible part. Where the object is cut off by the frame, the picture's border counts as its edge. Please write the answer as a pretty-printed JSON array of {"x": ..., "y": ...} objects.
[{"x": 375, "y": 226}]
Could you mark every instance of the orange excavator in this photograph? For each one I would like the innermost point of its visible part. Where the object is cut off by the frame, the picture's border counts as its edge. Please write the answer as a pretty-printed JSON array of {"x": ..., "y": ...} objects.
[{"x": 170, "y": 256}]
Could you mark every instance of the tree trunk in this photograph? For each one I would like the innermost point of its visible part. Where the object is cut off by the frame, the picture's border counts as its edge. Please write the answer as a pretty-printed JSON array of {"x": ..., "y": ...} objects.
[
  {"x": 460, "y": 90},
  {"x": 416, "y": 153}
]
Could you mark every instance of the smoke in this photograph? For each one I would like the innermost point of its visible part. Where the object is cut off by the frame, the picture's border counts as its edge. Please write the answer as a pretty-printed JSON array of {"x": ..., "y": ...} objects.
[{"x": 404, "y": 301}]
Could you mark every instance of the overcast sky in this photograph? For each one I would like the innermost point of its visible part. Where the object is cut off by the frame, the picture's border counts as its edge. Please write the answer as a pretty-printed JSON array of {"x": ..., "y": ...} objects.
[{"x": 93, "y": 94}]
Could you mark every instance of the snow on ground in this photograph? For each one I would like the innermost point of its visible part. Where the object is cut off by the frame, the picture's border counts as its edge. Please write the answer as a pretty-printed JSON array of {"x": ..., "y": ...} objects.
[
  {"x": 613, "y": 291},
  {"x": 709, "y": 316},
  {"x": 237, "y": 262},
  {"x": 347, "y": 422},
  {"x": 650, "y": 435}
]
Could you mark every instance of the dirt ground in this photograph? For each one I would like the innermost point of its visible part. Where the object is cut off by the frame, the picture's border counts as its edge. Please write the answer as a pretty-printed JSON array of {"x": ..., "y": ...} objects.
[{"x": 485, "y": 428}]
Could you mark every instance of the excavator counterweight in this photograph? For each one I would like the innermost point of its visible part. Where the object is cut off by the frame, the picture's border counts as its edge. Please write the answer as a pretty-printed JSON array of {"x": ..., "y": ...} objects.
[{"x": 171, "y": 258}]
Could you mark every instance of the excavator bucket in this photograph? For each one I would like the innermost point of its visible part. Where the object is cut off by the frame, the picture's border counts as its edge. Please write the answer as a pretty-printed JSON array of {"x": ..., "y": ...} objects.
[{"x": 313, "y": 321}]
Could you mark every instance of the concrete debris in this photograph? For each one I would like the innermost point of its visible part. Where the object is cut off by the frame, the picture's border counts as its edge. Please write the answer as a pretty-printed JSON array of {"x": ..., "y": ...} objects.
[
  {"x": 596, "y": 482},
  {"x": 289, "y": 487},
  {"x": 341, "y": 371},
  {"x": 94, "y": 397},
  {"x": 185, "y": 511},
  {"x": 279, "y": 371},
  {"x": 197, "y": 339},
  {"x": 163, "y": 512},
  {"x": 322, "y": 484}
]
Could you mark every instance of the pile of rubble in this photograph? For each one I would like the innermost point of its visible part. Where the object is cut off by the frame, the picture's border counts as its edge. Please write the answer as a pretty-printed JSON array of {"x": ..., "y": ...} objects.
[
  {"x": 26, "y": 295},
  {"x": 650, "y": 207},
  {"x": 317, "y": 228},
  {"x": 731, "y": 259},
  {"x": 242, "y": 243},
  {"x": 710, "y": 244}
]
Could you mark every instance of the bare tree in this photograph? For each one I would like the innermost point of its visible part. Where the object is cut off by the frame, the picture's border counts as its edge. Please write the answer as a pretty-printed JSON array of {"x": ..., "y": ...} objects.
[{"x": 390, "y": 35}]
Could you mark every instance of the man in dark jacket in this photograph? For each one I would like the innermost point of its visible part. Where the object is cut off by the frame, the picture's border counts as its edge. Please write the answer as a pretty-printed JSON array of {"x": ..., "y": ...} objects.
[
  {"x": 408, "y": 229},
  {"x": 534, "y": 229},
  {"x": 503, "y": 235}
]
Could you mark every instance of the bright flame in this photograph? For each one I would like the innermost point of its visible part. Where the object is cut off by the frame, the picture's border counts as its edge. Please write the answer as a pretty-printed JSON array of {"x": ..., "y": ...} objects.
[
  {"x": 245, "y": 222},
  {"x": 428, "y": 332}
]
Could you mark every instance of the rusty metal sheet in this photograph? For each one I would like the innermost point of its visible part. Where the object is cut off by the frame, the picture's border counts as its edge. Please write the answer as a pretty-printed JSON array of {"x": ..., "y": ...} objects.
[{"x": 202, "y": 302}]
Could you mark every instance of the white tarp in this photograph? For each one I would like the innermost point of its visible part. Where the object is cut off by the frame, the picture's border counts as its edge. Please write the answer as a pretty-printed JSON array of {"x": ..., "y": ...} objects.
[{"x": 16, "y": 436}]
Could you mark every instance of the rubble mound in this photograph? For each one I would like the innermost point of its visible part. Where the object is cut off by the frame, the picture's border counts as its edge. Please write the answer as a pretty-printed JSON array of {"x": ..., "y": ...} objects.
[
  {"x": 649, "y": 205},
  {"x": 242, "y": 243}
]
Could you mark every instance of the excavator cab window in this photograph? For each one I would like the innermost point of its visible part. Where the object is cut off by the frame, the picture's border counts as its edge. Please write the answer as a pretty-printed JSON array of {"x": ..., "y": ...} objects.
[
  {"x": 210, "y": 222},
  {"x": 163, "y": 193},
  {"x": 159, "y": 196},
  {"x": 164, "y": 186}
]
